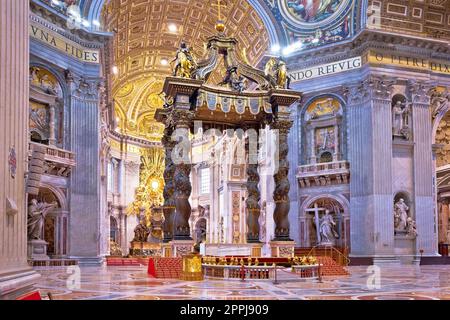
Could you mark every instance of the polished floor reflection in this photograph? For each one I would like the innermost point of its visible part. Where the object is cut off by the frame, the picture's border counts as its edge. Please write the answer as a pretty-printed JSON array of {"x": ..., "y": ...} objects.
[{"x": 125, "y": 283}]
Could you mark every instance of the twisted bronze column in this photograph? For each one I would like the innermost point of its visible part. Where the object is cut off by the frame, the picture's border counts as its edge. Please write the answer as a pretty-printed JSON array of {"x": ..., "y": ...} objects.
[
  {"x": 182, "y": 161},
  {"x": 253, "y": 193},
  {"x": 282, "y": 186},
  {"x": 169, "y": 185}
]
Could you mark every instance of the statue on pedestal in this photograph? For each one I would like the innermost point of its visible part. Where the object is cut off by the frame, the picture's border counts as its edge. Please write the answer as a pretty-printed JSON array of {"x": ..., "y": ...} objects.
[
  {"x": 37, "y": 212},
  {"x": 327, "y": 227},
  {"x": 275, "y": 71},
  {"x": 184, "y": 62},
  {"x": 141, "y": 232}
]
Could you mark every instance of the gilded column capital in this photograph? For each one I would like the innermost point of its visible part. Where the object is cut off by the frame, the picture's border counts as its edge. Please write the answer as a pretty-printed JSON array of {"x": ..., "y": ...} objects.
[
  {"x": 283, "y": 126},
  {"x": 180, "y": 118}
]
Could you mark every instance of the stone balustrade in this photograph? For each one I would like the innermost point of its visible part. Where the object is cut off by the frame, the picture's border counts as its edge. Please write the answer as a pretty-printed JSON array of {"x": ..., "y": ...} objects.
[
  {"x": 58, "y": 162},
  {"x": 237, "y": 272},
  {"x": 57, "y": 155},
  {"x": 310, "y": 272},
  {"x": 323, "y": 174}
]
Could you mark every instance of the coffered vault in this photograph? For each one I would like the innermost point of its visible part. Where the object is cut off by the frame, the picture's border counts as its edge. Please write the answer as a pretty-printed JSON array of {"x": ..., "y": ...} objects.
[{"x": 147, "y": 35}]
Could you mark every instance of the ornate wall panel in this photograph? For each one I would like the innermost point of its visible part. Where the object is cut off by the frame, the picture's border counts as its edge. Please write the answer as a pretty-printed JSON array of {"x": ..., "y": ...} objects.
[{"x": 428, "y": 18}]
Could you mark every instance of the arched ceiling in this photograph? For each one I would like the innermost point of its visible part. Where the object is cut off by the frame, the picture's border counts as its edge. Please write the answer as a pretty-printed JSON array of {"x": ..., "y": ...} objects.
[{"x": 143, "y": 39}]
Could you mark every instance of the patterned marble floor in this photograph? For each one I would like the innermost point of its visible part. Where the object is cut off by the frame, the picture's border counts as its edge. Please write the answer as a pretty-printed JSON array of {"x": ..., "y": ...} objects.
[{"x": 133, "y": 283}]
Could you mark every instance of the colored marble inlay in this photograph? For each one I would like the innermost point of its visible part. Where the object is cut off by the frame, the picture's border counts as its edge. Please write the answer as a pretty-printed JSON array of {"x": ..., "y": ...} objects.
[{"x": 133, "y": 283}]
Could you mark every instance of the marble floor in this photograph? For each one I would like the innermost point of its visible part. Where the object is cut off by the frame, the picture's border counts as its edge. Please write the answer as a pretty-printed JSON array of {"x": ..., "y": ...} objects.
[{"x": 133, "y": 283}]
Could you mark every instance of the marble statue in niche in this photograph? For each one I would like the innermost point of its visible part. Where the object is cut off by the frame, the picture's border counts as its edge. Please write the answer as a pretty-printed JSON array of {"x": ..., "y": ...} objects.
[
  {"x": 37, "y": 211},
  {"x": 400, "y": 120},
  {"x": 327, "y": 227},
  {"x": 400, "y": 215},
  {"x": 403, "y": 223}
]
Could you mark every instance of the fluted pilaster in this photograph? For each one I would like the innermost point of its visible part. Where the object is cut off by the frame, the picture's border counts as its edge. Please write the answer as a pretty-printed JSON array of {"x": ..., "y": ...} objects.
[
  {"x": 423, "y": 167},
  {"x": 370, "y": 156},
  {"x": 15, "y": 275}
]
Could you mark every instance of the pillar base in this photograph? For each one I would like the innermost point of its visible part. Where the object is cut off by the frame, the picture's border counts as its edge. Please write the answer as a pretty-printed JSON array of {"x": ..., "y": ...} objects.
[
  {"x": 16, "y": 284},
  {"x": 282, "y": 249},
  {"x": 181, "y": 248},
  {"x": 95, "y": 261},
  {"x": 37, "y": 250}
]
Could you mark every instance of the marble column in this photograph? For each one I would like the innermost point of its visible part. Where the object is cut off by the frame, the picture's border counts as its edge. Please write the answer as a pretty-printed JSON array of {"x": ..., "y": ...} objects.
[
  {"x": 16, "y": 277},
  {"x": 282, "y": 185},
  {"x": 253, "y": 193},
  {"x": 370, "y": 157},
  {"x": 425, "y": 215},
  {"x": 169, "y": 186},
  {"x": 183, "y": 188}
]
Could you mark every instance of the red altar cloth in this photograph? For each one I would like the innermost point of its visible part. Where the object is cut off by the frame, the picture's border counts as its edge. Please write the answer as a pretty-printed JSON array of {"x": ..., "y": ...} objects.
[
  {"x": 151, "y": 267},
  {"x": 32, "y": 296}
]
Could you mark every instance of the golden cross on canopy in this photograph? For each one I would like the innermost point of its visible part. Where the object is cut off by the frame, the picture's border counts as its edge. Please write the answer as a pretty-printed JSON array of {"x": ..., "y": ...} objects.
[{"x": 219, "y": 6}]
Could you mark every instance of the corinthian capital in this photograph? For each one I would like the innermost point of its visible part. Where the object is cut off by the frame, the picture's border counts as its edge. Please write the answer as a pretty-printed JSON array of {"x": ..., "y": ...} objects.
[
  {"x": 354, "y": 94},
  {"x": 420, "y": 91},
  {"x": 180, "y": 118},
  {"x": 379, "y": 87},
  {"x": 282, "y": 125},
  {"x": 373, "y": 87}
]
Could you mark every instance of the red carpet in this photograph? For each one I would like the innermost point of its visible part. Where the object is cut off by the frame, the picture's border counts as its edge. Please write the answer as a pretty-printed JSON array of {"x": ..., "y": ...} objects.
[
  {"x": 331, "y": 267},
  {"x": 118, "y": 261},
  {"x": 165, "y": 268}
]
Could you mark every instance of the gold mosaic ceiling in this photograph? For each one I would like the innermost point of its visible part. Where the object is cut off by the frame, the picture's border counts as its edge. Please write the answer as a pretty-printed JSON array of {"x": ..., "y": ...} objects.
[{"x": 143, "y": 39}]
